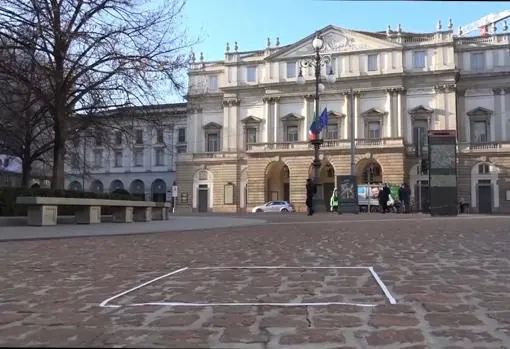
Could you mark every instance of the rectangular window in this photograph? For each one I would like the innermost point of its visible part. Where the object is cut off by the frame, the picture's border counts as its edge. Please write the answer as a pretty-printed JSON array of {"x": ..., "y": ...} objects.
[
  {"x": 139, "y": 137},
  {"x": 160, "y": 136},
  {"x": 118, "y": 138},
  {"x": 98, "y": 158},
  {"x": 292, "y": 133},
  {"x": 374, "y": 129},
  {"x": 372, "y": 62},
  {"x": 181, "y": 135},
  {"x": 181, "y": 150},
  {"x": 332, "y": 131},
  {"x": 213, "y": 82},
  {"x": 138, "y": 157},
  {"x": 480, "y": 132},
  {"x": 291, "y": 69},
  {"x": 160, "y": 156},
  {"x": 420, "y": 130},
  {"x": 213, "y": 142},
  {"x": 251, "y": 73},
  {"x": 250, "y": 136},
  {"x": 118, "y": 158},
  {"x": 477, "y": 61},
  {"x": 419, "y": 59}
]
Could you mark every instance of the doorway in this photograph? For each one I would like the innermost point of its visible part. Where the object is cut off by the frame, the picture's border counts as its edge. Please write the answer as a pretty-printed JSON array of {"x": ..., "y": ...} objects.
[
  {"x": 422, "y": 196},
  {"x": 484, "y": 196},
  {"x": 328, "y": 191},
  {"x": 203, "y": 198}
]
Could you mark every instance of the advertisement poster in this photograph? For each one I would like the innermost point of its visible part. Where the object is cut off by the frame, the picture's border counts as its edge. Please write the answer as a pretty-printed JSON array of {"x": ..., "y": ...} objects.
[{"x": 347, "y": 194}]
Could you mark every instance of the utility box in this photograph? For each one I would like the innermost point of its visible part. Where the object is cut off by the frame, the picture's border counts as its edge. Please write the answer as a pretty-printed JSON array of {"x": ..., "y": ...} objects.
[{"x": 442, "y": 166}]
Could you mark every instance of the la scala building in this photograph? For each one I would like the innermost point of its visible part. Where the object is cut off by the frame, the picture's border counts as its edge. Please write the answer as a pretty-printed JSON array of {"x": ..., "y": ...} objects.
[{"x": 248, "y": 118}]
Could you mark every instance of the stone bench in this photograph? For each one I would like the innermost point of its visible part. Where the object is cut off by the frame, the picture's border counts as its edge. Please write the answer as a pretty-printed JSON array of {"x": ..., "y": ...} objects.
[{"x": 44, "y": 210}]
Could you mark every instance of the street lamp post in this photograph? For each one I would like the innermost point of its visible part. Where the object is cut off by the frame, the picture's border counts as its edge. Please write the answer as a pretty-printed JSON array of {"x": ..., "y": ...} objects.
[{"x": 317, "y": 61}]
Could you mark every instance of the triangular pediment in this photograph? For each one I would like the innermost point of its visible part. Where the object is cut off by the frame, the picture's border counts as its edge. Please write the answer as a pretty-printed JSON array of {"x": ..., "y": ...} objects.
[
  {"x": 336, "y": 40},
  {"x": 292, "y": 117},
  {"x": 374, "y": 112},
  {"x": 421, "y": 110},
  {"x": 251, "y": 120},
  {"x": 480, "y": 111},
  {"x": 212, "y": 125},
  {"x": 335, "y": 115}
]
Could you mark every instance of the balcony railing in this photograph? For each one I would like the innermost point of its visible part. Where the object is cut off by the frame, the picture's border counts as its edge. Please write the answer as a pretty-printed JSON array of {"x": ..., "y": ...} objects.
[
  {"x": 484, "y": 147},
  {"x": 363, "y": 143},
  {"x": 208, "y": 156}
]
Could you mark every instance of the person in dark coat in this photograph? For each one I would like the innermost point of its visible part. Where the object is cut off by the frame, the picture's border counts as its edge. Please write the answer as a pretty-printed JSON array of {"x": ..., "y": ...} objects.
[
  {"x": 311, "y": 189},
  {"x": 384, "y": 197},
  {"x": 402, "y": 197}
]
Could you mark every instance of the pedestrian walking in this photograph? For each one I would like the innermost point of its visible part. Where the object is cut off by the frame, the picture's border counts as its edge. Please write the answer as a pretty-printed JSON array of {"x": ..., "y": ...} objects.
[
  {"x": 333, "y": 201},
  {"x": 311, "y": 190},
  {"x": 384, "y": 197}
]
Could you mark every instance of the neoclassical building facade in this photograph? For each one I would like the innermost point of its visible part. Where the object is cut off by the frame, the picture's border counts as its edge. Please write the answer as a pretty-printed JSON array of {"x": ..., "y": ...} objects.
[
  {"x": 248, "y": 118},
  {"x": 142, "y": 163}
]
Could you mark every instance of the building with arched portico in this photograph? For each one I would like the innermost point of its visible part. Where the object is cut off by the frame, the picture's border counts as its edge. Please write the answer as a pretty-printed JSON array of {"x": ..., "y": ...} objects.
[{"x": 248, "y": 118}]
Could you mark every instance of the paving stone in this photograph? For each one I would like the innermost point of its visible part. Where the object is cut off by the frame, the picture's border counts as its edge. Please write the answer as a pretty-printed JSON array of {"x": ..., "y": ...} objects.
[
  {"x": 242, "y": 335},
  {"x": 174, "y": 320},
  {"x": 284, "y": 321},
  {"x": 336, "y": 321},
  {"x": 449, "y": 319},
  {"x": 390, "y": 320},
  {"x": 313, "y": 336},
  {"x": 386, "y": 337},
  {"x": 229, "y": 320},
  {"x": 474, "y": 336}
]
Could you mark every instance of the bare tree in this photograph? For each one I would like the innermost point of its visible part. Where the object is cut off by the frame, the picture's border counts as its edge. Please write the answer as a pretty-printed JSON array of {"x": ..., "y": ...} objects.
[{"x": 94, "y": 55}]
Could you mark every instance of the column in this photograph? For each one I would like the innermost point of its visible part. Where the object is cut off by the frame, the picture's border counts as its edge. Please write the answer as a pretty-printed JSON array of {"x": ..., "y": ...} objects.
[
  {"x": 267, "y": 125},
  {"x": 493, "y": 119},
  {"x": 276, "y": 120},
  {"x": 235, "y": 132},
  {"x": 400, "y": 92},
  {"x": 356, "y": 113},
  {"x": 306, "y": 108},
  {"x": 503, "y": 115},
  {"x": 389, "y": 106},
  {"x": 463, "y": 121},
  {"x": 226, "y": 115},
  {"x": 347, "y": 119}
]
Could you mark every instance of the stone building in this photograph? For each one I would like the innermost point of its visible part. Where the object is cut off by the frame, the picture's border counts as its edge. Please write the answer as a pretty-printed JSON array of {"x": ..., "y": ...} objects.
[
  {"x": 141, "y": 161},
  {"x": 248, "y": 118}
]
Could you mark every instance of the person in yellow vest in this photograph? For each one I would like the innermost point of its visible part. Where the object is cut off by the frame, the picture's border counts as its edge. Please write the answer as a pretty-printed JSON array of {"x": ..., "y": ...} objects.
[{"x": 333, "y": 201}]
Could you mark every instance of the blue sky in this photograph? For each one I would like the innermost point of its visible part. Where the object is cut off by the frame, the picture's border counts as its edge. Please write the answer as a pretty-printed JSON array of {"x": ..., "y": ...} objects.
[{"x": 250, "y": 22}]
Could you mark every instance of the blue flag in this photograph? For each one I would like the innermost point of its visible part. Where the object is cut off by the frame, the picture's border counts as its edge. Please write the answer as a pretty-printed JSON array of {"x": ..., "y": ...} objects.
[{"x": 323, "y": 119}]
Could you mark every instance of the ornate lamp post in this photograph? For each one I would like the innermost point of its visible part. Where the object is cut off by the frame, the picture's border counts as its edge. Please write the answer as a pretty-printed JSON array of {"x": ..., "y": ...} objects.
[{"x": 317, "y": 61}]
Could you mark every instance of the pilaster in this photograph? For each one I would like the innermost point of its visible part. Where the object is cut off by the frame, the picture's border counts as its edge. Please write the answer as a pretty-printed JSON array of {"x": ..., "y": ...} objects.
[
  {"x": 347, "y": 120},
  {"x": 277, "y": 123},
  {"x": 356, "y": 113},
  {"x": 308, "y": 102},
  {"x": 494, "y": 122},
  {"x": 389, "y": 115}
]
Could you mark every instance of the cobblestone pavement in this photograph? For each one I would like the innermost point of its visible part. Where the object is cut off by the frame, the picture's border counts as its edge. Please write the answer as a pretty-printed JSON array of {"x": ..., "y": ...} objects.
[{"x": 450, "y": 277}]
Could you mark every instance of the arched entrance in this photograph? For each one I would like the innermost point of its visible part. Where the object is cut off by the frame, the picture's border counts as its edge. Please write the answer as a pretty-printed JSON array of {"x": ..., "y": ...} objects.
[
  {"x": 326, "y": 181},
  {"x": 97, "y": 186},
  {"x": 369, "y": 171},
  {"x": 277, "y": 179},
  {"x": 419, "y": 185},
  {"x": 75, "y": 186},
  {"x": 115, "y": 185},
  {"x": 137, "y": 189},
  {"x": 484, "y": 187},
  {"x": 202, "y": 191},
  {"x": 158, "y": 190}
]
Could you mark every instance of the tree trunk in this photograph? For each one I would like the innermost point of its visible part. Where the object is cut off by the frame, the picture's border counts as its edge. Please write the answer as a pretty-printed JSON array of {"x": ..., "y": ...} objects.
[
  {"x": 58, "y": 180},
  {"x": 26, "y": 168}
]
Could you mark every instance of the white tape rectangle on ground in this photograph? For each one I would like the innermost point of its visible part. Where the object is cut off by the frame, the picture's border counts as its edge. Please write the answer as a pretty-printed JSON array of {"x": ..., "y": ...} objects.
[{"x": 380, "y": 283}]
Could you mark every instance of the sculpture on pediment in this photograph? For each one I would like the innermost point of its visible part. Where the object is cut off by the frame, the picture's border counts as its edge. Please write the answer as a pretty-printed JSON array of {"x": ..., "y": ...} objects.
[{"x": 339, "y": 42}]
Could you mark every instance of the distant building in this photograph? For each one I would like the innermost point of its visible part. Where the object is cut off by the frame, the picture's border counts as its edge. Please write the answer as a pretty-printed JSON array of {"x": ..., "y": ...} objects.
[
  {"x": 143, "y": 164},
  {"x": 249, "y": 118}
]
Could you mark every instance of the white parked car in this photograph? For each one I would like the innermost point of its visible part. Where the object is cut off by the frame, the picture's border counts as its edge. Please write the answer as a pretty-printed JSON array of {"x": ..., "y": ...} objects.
[{"x": 274, "y": 206}]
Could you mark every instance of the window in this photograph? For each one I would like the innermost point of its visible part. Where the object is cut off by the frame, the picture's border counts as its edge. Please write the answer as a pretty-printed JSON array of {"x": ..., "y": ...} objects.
[
  {"x": 291, "y": 69},
  {"x": 181, "y": 150},
  {"x": 374, "y": 129},
  {"x": 292, "y": 133},
  {"x": 251, "y": 74},
  {"x": 480, "y": 132},
  {"x": 213, "y": 82},
  {"x": 372, "y": 62},
  {"x": 118, "y": 158},
  {"x": 118, "y": 138},
  {"x": 332, "y": 131},
  {"x": 160, "y": 156},
  {"x": 250, "y": 136},
  {"x": 181, "y": 135},
  {"x": 75, "y": 161},
  {"x": 98, "y": 158},
  {"x": 160, "y": 137},
  {"x": 330, "y": 67},
  {"x": 213, "y": 142},
  {"x": 138, "y": 157},
  {"x": 419, "y": 59},
  {"x": 477, "y": 61},
  {"x": 421, "y": 127},
  {"x": 139, "y": 137},
  {"x": 483, "y": 169}
]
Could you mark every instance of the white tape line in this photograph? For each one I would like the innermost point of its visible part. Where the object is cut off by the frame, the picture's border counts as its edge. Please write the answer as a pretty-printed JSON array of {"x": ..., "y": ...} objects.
[
  {"x": 382, "y": 286},
  {"x": 275, "y": 267},
  {"x": 182, "y": 304},
  {"x": 103, "y": 304}
]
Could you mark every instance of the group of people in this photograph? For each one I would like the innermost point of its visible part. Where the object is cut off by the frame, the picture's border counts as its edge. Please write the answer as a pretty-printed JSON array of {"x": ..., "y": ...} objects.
[{"x": 404, "y": 196}]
